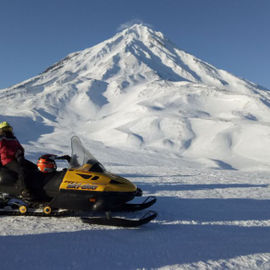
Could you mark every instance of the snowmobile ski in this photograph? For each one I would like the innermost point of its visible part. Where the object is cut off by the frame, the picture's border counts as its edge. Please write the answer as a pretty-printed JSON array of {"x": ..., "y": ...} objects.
[{"x": 120, "y": 222}]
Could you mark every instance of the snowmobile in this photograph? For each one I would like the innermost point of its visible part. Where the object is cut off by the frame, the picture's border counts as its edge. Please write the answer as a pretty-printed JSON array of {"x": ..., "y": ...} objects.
[{"x": 83, "y": 190}]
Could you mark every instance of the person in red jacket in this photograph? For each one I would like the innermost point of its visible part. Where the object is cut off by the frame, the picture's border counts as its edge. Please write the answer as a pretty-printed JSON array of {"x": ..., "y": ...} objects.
[{"x": 12, "y": 156}]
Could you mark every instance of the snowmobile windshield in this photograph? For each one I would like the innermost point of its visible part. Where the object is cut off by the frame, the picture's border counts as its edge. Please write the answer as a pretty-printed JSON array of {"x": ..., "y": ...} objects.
[{"x": 81, "y": 157}]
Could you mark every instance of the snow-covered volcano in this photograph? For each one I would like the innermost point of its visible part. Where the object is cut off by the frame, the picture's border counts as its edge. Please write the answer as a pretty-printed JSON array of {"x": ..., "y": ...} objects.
[{"x": 138, "y": 90}]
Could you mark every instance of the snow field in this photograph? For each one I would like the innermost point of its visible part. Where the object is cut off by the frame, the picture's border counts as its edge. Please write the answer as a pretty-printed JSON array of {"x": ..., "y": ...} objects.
[
  {"x": 208, "y": 219},
  {"x": 194, "y": 136}
]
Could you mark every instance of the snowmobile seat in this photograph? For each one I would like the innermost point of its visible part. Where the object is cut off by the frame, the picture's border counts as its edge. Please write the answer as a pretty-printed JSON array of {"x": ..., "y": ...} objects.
[
  {"x": 8, "y": 180},
  {"x": 7, "y": 177}
]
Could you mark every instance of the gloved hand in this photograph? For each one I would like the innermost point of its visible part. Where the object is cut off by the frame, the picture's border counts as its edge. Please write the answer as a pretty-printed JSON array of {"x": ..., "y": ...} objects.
[
  {"x": 66, "y": 157},
  {"x": 19, "y": 156}
]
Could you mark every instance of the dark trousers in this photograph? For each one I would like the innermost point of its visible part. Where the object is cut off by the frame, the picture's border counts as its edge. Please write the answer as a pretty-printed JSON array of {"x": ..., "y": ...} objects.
[
  {"x": 19, "y": 169},
  {"x": 25, "y": 169}
]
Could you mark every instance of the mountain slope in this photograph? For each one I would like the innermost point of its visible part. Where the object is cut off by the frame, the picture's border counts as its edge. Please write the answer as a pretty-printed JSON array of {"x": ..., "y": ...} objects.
[{"x": 138, "y": 90}]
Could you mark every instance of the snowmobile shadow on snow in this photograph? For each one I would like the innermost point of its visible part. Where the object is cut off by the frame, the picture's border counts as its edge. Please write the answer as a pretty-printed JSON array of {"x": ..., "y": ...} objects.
[
  {"x": 173, "y": 244},
  {"x": 157, "y": 175},
  {"x": 213, "y": 210},
  {"x": 175, "y": 186},
  {"x": 199, "y": 230}
]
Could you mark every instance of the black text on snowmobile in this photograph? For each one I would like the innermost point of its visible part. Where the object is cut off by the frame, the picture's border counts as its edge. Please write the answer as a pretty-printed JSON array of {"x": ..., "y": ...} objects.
[{"x": 85, "y": 187}]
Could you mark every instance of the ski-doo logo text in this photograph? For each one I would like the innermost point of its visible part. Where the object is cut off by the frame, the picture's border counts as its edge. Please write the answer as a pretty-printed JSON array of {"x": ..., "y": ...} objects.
[{"x": 81, "y": 186}]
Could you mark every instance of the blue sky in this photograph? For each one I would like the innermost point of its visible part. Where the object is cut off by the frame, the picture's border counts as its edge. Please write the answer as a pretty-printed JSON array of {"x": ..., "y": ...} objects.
[{"x": 230, "y": 34}]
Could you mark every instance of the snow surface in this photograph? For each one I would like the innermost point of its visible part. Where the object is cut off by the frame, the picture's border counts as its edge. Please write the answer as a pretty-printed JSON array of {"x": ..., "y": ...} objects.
[
  {"x": 195, "y": 136},
  {"x": 208, "y": 219}
]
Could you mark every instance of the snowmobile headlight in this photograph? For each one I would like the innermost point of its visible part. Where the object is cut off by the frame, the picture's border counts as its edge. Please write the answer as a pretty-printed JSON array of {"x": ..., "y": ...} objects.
[{"x": 115, "y": 182}]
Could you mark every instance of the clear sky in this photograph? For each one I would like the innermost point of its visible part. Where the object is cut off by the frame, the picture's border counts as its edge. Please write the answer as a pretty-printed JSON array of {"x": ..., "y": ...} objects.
[{"x": 230, "y": 34}]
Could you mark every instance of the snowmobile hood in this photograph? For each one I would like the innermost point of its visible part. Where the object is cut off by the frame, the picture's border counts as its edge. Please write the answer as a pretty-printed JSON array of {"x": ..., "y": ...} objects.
[{"x": 95, "y": 181}]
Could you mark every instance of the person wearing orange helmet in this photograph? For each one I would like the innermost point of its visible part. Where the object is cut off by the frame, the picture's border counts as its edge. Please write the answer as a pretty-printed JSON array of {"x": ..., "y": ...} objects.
[{"x": 46, "y": 163}]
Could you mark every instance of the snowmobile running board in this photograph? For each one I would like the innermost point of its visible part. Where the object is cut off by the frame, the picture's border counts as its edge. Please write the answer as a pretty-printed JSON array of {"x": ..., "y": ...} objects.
[{"x": 107, "y": 221}]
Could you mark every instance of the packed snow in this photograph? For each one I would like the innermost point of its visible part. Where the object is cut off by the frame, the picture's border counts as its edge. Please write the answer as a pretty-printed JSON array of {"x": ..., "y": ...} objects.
[{"x": 194, "y": 136}]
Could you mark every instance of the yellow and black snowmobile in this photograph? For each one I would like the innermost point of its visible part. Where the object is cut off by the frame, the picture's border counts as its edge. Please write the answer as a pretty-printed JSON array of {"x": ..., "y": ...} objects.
[{"x": 81, "y": 190}]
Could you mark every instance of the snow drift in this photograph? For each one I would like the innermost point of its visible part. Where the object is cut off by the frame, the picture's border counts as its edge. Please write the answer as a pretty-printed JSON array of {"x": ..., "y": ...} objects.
[{"x": 137, "y": 90}]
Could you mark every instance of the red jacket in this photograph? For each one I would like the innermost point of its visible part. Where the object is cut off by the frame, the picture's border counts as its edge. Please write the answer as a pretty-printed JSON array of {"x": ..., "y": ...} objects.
[{"x": 9, "y": 148}]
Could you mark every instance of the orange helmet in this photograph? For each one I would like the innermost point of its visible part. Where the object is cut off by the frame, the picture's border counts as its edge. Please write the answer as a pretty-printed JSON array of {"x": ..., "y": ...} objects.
[{"x": 46, "y": 163}]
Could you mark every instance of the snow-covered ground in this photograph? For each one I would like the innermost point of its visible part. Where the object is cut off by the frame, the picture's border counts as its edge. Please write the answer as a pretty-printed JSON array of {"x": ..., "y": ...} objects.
[
  {"x": 194, "y": 136},
  {"x": 208, "y": 219}
]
